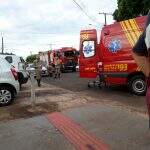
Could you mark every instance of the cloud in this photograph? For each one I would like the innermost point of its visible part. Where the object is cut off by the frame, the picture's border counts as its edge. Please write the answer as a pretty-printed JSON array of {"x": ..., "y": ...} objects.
[{"x": 30, "y": 25}]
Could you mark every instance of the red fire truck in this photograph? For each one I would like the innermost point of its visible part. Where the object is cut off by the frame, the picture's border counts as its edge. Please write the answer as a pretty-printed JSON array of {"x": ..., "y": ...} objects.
[
  {"x": 68, "y": 56},
  {"x": 110, "y": 59}
]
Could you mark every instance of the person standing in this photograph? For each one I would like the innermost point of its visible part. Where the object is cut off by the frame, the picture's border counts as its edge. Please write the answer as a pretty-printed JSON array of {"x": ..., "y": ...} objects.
[
  {"x": 147, "y": 42},
  {"x": 57, "y": 67},
  {"x": 37, "y": 66},
  {"x": 141, "y": 54}
]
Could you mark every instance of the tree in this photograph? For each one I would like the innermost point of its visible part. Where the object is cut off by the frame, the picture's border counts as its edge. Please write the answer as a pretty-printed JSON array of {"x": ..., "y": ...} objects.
[
  {"x": 128, "y": 9},
  {"x": 31, "y": 58}
]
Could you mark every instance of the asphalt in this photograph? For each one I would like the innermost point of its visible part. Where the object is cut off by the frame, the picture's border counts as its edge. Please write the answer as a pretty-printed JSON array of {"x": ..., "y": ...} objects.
[
  {"x": 31, "y": 134},
  {"x": 119, "y": 129},
  {"x": 116, "y": 95}
]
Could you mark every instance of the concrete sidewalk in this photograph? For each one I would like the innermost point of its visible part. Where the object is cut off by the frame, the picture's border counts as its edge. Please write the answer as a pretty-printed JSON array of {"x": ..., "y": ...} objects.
[
  {"x": 31, "y": 134},
  {"x": 119, "y": 129}
]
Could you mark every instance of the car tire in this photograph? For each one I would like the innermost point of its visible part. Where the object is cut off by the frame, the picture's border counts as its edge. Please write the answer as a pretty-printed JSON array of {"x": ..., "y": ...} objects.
[
  {"x": 7, "y": 96},
  {"x": 137, "y": 85}
]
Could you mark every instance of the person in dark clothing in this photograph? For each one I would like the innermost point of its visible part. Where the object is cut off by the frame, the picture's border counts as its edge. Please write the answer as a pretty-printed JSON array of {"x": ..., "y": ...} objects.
[
  {"x": 141, "y": 54},
  {"x": 37, "y": 66}
]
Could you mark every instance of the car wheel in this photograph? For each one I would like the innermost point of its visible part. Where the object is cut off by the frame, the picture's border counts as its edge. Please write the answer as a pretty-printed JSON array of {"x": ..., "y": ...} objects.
[
  {"x": 6, "y": 96},
  {"x": 137, "y": 85}
]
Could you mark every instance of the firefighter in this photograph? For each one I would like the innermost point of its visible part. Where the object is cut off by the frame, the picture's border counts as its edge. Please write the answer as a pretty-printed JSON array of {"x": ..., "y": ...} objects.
[
  {"x": 37, "y": 66},
  {"x": 51, "y": 69},
  {"x": 57, "y": 64}
]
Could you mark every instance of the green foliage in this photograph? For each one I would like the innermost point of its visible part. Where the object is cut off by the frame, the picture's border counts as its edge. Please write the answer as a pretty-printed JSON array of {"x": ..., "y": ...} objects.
[
  {"x": 31, "y": 58},
  {"x": 128, "y": 9}
]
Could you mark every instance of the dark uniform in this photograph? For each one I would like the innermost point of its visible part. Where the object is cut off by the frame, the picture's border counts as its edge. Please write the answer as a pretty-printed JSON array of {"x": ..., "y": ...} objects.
[{"x": 37, "y": 66}]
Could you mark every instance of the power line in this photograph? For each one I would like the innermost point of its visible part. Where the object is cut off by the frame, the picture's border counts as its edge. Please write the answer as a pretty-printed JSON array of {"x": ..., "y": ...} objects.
[{"x": 90, "y": 17}]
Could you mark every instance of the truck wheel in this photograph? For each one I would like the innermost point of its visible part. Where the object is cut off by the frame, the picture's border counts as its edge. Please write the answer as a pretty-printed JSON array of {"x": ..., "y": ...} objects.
[
  {"x": 7, "y": 96},
  {"x": 137, "y": 85}
]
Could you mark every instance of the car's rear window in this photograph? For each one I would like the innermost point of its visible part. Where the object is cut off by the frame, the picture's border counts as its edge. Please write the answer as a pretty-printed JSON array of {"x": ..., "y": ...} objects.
[
  {"x": 9, "y": 59},
  {"x": 4, "y": 63}
]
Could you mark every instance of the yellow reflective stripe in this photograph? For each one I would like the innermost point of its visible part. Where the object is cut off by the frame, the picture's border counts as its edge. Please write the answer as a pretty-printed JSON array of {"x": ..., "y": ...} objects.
[
  {"x": 128, "y": 36},
  {"x": 140, "y": 32},
  {"x": 132, "y": 34},
  {"x": 135, "y": 28},
  {"x": 84, "y": 36}
]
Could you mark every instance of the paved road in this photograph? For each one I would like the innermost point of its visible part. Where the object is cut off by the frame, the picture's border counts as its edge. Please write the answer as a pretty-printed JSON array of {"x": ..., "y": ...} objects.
[{"x": 117, "y": 95}]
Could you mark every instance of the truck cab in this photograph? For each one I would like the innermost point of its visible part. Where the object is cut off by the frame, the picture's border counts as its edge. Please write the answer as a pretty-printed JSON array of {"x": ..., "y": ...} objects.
[{"x": 68, "y": 57}]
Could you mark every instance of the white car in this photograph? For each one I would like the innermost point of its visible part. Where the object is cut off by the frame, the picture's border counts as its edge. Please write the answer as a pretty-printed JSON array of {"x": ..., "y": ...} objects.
[
  {"x": 30, "y": 68},
  {"x": 19, "y": 65},
  {"x": 9, "y": 85},
  {"x": 77, "y": 68},
  {"x": 44, "y": 71}
]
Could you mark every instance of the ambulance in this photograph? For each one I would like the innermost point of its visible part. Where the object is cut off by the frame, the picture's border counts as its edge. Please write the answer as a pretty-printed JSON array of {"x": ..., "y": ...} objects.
[{"x": 110, "y": 59}]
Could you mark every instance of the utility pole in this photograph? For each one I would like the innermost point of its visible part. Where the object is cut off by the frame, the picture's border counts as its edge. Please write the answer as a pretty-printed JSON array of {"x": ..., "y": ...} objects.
[
  {"x": 2, "y": 45},
  {"x": 105, "y": 16}
]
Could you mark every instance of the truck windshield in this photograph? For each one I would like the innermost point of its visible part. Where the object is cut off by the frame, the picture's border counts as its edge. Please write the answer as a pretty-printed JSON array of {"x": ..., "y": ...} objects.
[{"x": 69, "y": 54}]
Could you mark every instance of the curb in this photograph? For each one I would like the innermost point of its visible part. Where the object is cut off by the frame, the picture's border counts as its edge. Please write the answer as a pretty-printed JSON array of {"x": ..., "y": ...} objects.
[{"x": 40, "y": 92}]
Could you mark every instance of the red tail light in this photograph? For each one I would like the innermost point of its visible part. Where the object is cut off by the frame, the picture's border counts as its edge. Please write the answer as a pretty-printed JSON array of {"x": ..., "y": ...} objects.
[{"x": 15, "y": 74}]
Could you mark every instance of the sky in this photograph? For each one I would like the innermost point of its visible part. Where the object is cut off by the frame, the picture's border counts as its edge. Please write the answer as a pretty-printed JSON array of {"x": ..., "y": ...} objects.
[{"x": 30, "y": 26}]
